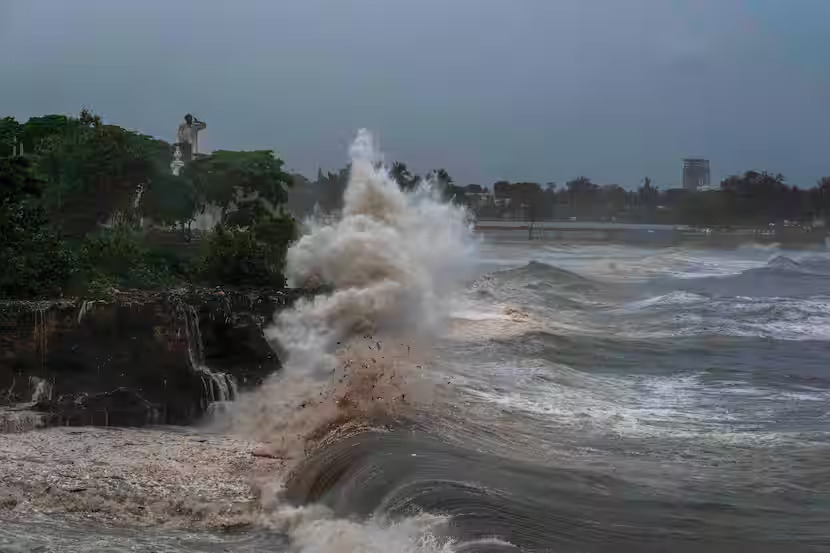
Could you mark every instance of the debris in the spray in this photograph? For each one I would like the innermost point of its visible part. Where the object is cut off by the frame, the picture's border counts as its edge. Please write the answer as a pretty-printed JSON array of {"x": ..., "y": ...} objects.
[
  {"x": 265, "y": 453},
  {"x": 388, "y": 258}
]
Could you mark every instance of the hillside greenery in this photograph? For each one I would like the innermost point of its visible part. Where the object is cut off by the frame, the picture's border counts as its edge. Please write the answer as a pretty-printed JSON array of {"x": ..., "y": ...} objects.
[{"x": 88, "y": 207}]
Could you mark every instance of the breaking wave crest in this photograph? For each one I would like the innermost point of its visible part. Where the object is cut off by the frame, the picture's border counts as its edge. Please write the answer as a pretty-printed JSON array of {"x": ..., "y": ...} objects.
[{"x": 355, "y": 353}]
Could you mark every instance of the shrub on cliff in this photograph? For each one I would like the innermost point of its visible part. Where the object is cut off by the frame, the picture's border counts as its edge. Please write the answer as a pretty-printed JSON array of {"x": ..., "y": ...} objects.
[
  {"x": 255, "y": 255},
  {"x": 119, "y": 257}
]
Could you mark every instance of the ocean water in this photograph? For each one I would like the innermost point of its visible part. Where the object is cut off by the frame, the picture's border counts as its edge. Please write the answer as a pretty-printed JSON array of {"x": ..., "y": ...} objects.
[
  {"x": 462, "y": 393},
  {"x": 679, "y": 401}
]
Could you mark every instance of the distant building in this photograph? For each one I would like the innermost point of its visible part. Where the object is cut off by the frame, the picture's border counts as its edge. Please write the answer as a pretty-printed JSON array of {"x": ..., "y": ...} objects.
[
  {"x": 695, "y": 173},
  {"x": 501, "y": 194},
  {"x": 478, "y": 198}
]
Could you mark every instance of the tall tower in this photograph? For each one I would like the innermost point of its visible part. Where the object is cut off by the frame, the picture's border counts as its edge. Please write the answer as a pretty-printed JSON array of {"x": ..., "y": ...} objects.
[{"x": 695, "y": 173}]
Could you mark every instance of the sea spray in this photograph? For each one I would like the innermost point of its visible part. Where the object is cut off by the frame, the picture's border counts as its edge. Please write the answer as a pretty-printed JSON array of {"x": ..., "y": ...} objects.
[
  {"x": 314, "y": 529},
  {"x": 391, "y": 260},
  {"x": 353, "y": 355}
]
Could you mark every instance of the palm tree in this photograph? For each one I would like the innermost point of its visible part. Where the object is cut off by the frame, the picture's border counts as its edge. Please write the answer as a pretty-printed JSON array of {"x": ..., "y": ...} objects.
[{"x": 401, "y": 174}]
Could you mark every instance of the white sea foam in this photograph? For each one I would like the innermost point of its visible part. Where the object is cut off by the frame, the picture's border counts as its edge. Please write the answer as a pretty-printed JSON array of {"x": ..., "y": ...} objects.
[
  {"x": 392, "y": 260},
  {"x": 664, "y": 407},
  {"x": 775, "y": 318}
]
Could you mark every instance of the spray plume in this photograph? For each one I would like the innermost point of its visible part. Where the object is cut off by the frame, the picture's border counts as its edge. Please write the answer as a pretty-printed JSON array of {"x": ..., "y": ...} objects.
[{"x": 390, "y": 261}]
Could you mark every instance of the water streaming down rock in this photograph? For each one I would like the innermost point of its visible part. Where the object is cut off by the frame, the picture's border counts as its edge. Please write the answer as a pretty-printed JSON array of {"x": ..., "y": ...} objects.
[
  {"x": 218, "y": 386},
  {"x": 41, "y": 389},
  {"x": 15, "y": 421},
  {"x": 20, "y": 417},
  {"x": 86, "y": 307}
]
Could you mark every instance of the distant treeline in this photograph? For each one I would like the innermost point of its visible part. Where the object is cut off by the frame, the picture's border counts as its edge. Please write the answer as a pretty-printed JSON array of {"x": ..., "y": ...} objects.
[{"x": 752, "y": 199}]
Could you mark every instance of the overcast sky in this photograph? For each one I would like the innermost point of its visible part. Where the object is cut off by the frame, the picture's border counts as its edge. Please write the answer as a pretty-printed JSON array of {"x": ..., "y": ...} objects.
[{"x": 542, "y": 90}]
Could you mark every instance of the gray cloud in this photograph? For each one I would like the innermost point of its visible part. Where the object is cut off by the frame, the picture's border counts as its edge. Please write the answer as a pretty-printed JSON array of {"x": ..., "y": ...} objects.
[{"x": 519, "y": 89}]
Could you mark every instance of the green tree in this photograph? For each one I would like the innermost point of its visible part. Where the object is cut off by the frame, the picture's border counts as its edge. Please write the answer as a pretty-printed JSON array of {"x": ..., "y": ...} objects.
[
  {"x": 238, "y": 181},
  {"x": 758, "y": 198},
  {"x": 613, "y": 200},
  {"x": 37, "y": 129},
  {"x": 250, "y": 188},
  {"x": 169, "y": 200},
  {"x": 581, "y": 193},
  {"x": 10, "y": 134},
  {"x": 34, "y": 261},
  {"x": 648, "y": 196},
  {"x": 94, "y": 171},
  {"x": 443, "y": 183}
]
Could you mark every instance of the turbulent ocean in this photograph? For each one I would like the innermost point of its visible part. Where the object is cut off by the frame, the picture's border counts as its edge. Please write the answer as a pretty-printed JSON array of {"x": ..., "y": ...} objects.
[{"x": 488, "y": 393}]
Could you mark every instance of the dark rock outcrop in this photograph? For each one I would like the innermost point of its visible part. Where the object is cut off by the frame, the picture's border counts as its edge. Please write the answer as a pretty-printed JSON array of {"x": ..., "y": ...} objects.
[
  {"x": 120, "y": 407},
  {"x": 137, "y": 358}
]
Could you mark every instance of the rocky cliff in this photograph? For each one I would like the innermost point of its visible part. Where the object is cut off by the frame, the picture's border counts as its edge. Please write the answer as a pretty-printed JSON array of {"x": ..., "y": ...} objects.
[{"x": 137, "y": 358}]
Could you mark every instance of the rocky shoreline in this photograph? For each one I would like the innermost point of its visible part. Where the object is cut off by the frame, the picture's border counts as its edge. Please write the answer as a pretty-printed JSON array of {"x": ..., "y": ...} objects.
[{"x": 133, "y": 359}]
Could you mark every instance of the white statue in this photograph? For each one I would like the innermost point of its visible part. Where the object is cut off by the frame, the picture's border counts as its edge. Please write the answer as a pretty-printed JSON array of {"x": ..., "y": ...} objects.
[{"x": 188, "y": 136}]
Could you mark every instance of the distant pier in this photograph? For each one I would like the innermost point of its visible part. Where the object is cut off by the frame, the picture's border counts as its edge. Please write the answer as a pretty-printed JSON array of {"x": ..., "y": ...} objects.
[{"x": 595, "y": 231}]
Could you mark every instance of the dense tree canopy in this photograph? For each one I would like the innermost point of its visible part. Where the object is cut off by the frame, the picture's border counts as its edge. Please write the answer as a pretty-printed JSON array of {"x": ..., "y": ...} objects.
[
  {"x": 71, "y": 206},
  {"x": 234, "y": 179},
  {"x": 95, "y": 171},
  {"x": 34, "y": 261}
]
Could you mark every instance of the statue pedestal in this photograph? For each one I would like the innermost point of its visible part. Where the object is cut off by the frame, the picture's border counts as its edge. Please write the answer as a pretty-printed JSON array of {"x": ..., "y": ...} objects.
[{"x": 177, "y": 163}]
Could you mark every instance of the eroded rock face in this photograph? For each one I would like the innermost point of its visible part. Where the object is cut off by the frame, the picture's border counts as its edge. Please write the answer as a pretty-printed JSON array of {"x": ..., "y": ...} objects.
[{"x": 138, "y": 358}]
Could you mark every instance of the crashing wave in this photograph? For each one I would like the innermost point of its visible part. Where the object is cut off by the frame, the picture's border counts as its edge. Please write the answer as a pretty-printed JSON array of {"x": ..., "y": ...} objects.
[
  {"x": 784, "y": 263},
  {"x": 355, "y": 354}
]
